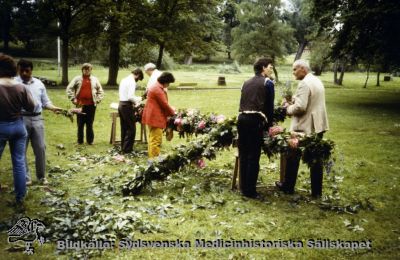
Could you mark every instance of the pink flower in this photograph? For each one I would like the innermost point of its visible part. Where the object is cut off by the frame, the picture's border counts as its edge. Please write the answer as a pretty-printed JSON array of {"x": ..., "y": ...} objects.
[
  {"x": 275, "y": 130},
  {"x": 178, "y": 121},
  {"x": 220, "y": 119},
  {"x": 190, "y": 112},
  {"x": 119, "y": 158},
  {"x": 293, "y": 142},
  {"x": 201, "y": 163},
  {"x": 201, "y": 125}
]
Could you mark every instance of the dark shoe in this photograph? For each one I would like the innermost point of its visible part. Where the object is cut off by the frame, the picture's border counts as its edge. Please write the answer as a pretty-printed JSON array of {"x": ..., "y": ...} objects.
[
  {"x": 282, "y": 187},
  {"x": 255, "y": 196},
  {"x": 316, "y": 196},
  {"x": 17, "y": 205}
]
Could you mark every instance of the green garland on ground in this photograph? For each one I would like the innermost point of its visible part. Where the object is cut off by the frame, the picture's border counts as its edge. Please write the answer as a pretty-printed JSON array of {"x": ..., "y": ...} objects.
[
  {"x": 221, "y": 134},
  {"x": 205, "y": 146}
]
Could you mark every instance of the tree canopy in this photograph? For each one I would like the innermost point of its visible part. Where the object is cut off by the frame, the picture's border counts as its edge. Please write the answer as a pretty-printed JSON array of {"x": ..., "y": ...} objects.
[{"x": 261, "y": 32}]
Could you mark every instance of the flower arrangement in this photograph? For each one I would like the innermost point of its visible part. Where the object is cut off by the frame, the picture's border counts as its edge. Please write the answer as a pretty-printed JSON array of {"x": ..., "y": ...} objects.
[
  {"x": 190, "y": 121},
  {"x": 138, "y": 111}
]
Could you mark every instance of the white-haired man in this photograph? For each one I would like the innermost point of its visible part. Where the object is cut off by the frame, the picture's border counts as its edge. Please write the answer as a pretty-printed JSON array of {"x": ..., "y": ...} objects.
[
  {"x": 309, "y": 116},
  {"x": 151, "y": 70}
]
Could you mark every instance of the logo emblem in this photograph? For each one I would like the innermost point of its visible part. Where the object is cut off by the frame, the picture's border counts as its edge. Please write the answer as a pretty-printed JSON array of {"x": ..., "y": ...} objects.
[{"x": 27, "y": 230}]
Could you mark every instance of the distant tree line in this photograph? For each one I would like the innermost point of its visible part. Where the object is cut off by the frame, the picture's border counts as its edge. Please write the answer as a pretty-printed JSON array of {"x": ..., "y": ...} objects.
[{"x": 119, "y": 33}]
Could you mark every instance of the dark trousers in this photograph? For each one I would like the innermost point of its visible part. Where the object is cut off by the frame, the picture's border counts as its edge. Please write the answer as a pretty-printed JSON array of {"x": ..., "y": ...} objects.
[
  {"x": 292, "y": 168},
  {"x": 86, "y": 119},
  {"x": 128, "y": 126},
  {"x": 250, "y": 130}
]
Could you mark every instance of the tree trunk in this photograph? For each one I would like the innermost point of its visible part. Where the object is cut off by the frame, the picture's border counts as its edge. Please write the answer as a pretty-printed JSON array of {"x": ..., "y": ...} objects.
[
  {"x": 366, "y": 81},
  {"x": 340, "y": 83},
  {"x": 276, "y": 75},
  {"x": 160, "y": 54},
  {"x": 113, "y": 60},
  {"x": 317, "y": 70},
  {"x": 377, "y": 79},
  {"x": 188, "y": 59},
  {"x": 300, "y": 50},
  {"x": 275, "y": 71},
  {"x": 335, "y": 70},
  {"x": 64, "y": 60}
]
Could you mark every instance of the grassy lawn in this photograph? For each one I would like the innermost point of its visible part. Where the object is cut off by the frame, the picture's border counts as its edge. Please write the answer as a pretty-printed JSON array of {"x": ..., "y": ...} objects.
[{"x": 360, "y": 196}]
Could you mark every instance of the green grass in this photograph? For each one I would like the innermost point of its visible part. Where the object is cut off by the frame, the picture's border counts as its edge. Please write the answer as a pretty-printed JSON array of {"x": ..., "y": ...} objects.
[{"x": 364, "y": 123}]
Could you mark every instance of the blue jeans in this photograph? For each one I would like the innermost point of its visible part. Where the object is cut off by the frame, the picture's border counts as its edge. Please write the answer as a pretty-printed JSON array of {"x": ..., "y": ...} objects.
[{"x": 15, "y": 134}]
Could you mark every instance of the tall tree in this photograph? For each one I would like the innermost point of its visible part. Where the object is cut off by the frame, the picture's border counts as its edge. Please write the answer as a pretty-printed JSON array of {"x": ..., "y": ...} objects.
[
  {"x": 363, "y": 30},
  {"x": 177, "y": 24},
  {"x": 299, "y": 18},
  {"x": 6, "y": 13},
  {"x": 69, "y": 15},
  {"x": 230, "y": 17},
  {"x": 29, "y": 23},
  {"x": 261, "y": 31},
  {"x": 121, "y": 21}
]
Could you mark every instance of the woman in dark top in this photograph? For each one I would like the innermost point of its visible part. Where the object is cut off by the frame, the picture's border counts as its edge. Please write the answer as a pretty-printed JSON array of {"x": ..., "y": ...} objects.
[{"x": 14, "y": 97}]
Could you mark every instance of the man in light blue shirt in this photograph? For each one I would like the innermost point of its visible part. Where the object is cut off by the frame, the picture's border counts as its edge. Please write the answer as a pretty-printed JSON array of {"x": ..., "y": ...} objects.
[{"x": 34, "y": 121}]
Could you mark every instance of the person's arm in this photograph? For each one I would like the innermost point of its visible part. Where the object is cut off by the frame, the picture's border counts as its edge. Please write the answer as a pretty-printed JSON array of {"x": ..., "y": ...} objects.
[
  {"x": 99, "y": 91},
  {"x": 46, "y": 102},
  {"x": 299, "y": 106},
  {"x": 269, "y": 105},
  {"x": 71, "y": 90}
]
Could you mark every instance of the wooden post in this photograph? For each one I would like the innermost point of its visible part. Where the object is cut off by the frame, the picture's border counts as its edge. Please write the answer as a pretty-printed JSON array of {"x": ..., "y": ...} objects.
[
  {"x": 236, "y": 176},
  {"x": 113, "y": 116},
  {"x": 113, "y": 141},
  {"x": 282, "y": 167},
  {"x": 143, "y": 133}
]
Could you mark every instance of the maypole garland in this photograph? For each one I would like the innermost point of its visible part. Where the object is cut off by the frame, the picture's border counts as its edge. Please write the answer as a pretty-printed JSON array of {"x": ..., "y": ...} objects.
[
  {"x": 221, "y": 134},
  {"x": 205, "y": 146}
]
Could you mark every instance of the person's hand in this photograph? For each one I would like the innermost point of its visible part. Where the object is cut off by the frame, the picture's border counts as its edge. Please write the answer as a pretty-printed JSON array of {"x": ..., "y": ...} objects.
[
  {"x": 75, "y": 101},
  {"x": 285, "y": 104},
  {"x": 57, "y": 110}
]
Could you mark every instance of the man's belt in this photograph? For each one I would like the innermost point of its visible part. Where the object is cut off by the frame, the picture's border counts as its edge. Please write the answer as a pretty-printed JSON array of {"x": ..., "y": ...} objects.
[
  {"x": 254, "y": 113},
  {"x": 32, "y": 114},
  {"x": 126, "y": 102}
]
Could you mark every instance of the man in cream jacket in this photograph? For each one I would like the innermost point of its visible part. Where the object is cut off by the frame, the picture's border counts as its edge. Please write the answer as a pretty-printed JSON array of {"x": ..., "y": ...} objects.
[
  {"x": 85, "y": 91},
  {"x": 309, "y": 116}
]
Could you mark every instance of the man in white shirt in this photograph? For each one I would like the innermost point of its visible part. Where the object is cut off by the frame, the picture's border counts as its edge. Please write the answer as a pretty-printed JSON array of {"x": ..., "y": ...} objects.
[
  {"x": 151, "y": 71},
  {"x": 33, "y": 121},
  {"x": 127, "y": 100}
]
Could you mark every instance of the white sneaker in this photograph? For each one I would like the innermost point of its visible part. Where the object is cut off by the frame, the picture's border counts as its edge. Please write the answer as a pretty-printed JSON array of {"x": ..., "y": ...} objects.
[
  {"x": 29, "y": 183},
  {"x": 43, "y": 181}
]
